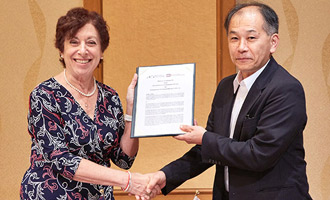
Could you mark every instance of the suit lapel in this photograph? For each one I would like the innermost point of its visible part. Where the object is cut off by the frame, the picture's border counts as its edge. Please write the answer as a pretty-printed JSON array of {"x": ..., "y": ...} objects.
[
  {"x": 254, "y": 94},
  {"x": 222, "y": 107},
  {"x": 227, "y": 109}
]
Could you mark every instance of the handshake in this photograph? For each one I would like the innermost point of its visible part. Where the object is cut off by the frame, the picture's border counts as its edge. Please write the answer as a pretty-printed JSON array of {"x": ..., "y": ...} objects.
[{"x": 145, "y": 186}]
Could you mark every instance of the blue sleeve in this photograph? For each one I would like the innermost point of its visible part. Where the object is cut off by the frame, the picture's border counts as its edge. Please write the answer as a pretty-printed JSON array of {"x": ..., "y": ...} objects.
[{"x": 48, "y": 136}]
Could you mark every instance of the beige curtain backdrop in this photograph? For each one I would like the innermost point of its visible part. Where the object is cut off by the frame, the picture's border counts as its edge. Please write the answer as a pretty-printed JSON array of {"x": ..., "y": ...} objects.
[{"x": 153, "y": 33}]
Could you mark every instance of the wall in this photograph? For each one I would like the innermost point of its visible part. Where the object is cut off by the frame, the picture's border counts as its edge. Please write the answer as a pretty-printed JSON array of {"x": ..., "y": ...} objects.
[{"x": 28, "y": 57}]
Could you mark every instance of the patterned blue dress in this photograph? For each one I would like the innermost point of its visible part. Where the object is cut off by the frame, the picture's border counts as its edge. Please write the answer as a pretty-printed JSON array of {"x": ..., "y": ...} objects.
[{"x": 62, "y": 134}]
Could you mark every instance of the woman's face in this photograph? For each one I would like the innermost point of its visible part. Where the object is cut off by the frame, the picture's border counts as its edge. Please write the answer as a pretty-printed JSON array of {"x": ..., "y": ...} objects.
[{"x": 82, "y": 53}]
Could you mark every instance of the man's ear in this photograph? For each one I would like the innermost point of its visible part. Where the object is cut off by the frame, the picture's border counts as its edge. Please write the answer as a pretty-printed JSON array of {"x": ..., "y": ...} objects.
[{"x": 274, "y": 41}]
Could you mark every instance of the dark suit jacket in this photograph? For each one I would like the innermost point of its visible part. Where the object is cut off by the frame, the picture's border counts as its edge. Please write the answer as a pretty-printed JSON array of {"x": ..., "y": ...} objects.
[{"x": 266, "y": 155}]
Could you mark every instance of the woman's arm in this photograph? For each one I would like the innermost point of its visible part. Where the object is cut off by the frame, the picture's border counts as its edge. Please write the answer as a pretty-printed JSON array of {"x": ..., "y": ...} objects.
[
  {"x": 91, "y": 172},
  {"x": 129, "y": 145}
]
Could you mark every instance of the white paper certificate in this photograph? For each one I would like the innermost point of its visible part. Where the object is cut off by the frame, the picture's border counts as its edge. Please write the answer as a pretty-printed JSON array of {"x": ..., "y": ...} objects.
[{"x": 163, "y": 100}]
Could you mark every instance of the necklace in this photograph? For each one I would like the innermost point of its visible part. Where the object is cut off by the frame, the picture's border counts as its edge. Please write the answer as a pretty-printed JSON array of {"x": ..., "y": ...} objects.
[{"x": 73, "y": 87}]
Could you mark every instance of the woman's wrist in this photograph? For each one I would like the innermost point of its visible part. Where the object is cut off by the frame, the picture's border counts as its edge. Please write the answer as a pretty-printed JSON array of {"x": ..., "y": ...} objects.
[
  {"x": 129, "y": 183},
  {"x": 128, "y": 118}
]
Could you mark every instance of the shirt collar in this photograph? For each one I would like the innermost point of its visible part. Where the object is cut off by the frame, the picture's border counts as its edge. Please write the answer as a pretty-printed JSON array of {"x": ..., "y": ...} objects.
[{"x": 248, "y": 82}]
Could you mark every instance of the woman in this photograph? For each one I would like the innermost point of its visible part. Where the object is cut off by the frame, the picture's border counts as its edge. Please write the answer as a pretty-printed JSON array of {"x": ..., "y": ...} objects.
[{"x": 77, "y": 123}]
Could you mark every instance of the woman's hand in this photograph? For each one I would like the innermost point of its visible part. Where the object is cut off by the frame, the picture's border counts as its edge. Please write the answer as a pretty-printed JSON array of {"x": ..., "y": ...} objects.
[
  {"x": 130, "y": 95},
  {"x": 129, "y": 145}
]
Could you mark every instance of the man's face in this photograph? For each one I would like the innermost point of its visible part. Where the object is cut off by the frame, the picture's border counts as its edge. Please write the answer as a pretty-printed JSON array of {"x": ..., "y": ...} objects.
[{"x": 249, "y": 45}]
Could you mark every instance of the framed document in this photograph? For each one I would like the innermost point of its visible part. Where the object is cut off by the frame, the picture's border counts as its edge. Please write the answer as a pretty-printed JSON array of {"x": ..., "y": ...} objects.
[{"x": 163, "y": 100}]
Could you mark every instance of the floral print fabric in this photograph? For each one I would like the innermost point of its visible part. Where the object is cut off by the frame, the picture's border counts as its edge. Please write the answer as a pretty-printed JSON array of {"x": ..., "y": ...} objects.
[{"x": 62, "y": 134}]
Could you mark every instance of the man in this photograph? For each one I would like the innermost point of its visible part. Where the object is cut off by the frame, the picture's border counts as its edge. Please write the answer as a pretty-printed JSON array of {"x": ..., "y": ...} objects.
[{"x": 254, "y": 133}]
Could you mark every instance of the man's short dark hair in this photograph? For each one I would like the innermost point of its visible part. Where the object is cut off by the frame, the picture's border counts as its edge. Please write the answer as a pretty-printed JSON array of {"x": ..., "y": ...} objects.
[{"x": 269, "y": 15}]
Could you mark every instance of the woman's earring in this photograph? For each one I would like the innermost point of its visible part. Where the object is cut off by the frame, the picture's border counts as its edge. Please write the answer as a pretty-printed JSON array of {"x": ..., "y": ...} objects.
[
  {"x": 61, "y": 58},
  {"x": 101, "y": 61}
]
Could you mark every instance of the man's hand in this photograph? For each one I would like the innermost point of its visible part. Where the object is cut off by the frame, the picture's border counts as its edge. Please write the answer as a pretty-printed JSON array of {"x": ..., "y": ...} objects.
[
  {"x": 157, "y": 181},
  {"x": 194, "y": 134}
]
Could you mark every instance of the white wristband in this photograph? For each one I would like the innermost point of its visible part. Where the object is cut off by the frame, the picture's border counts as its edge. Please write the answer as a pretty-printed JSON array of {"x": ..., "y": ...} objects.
[{"x": 128, "y": 117}]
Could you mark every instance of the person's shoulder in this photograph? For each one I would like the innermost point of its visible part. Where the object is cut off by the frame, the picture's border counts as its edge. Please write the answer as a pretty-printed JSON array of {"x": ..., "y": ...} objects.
[
  {"x": 283, "y": 82},
  {"x": 229, "y": 78},
  {"x": 45, "y": 90},
  {"x": 48, "y": 85},
  {"x": 106, "y": 88},
  {"x": 285, "y": 77},
  {"x": 227, "y": 81}
]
